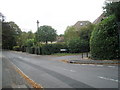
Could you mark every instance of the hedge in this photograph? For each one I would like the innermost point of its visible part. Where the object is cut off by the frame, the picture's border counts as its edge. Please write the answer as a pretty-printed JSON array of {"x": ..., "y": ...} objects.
[
  {"x": 45, "y": 49},
  {"x": 104, "y": 42},
  {"x": 77, "y": 45}
]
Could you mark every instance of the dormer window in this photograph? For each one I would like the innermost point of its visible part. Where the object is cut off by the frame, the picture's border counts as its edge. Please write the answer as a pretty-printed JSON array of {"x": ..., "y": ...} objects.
[{"x": 81, "y": 24}]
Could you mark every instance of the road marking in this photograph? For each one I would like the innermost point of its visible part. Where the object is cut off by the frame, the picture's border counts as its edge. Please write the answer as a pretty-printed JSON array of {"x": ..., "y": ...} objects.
[
  {"x": 72, "y": 70},
  {"x": 108, "y": 79},
  {"x": 69, "y": 70},
  {"x": 111, "y": 66},
  {"x": 20, "y": 57},
  {"x": 100, "y": 65},
  {"x": 83, "y": 64}
]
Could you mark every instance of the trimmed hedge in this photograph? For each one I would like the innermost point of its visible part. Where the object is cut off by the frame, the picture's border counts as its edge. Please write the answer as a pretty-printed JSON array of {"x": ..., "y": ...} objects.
[
  {"x": 45, "y": 49},
  {"x": 104, "y": 42},
  {"x": 16, "y": 48}
]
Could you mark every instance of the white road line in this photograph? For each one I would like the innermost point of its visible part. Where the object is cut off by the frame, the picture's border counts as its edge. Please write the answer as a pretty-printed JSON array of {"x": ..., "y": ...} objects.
[
  {"x": 69, "y": 70},
  {"x": 20, "y": 57},
  {"x": 64, "y": 69},
  {"x": 100, "y": 65},
  {"x": 111, "y": 66},
  {"x": 72, "y": 70},
  {"x": 108, "y": 79}
]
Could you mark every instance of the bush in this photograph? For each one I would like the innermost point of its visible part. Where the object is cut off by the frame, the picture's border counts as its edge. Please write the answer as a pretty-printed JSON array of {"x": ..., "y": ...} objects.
[
  {"x": 52, "y": 48},
  {"x": 16, "y": 48},
  {"x": 104, "y": 42},
  {"x": 78, "y": 45}
]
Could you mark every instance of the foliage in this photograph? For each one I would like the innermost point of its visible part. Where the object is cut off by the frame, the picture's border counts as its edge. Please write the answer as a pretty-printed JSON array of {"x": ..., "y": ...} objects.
[
  {"x": 104, "y": 40},
  {"x": 16, "y": 48},
  {"x": 10, "y": 34},
  {"x": 46, "y": 49},
  {"x": 77, "y": 45},
  {"x": 24, "y": 36},
  {"x": 113, "y": 8},
  {"x": 85, "y": 32},
  {"x": 29, "y": 42},
  {"x": 70, "y": 33},
  {"x": 46, "y": 33}
]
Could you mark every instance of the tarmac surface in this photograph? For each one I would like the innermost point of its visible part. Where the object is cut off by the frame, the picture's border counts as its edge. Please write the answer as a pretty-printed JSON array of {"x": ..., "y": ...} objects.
[{"x": 50, "y": 72}]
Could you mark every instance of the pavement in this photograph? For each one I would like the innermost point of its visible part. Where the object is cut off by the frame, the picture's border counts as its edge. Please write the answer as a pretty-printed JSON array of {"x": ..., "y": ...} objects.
[{"x": 50, "y": 72}]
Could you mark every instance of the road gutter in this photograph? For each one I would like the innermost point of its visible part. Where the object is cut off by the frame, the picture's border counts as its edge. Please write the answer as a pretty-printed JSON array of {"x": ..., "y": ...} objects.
[
  {"x": 67, "y": 61},
  {"x": 30, "y": 81}
]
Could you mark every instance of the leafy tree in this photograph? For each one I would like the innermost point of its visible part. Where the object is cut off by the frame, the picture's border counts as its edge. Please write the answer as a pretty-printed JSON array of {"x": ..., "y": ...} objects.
[
  {"x": 24, "y": 37},
  {"x": 45, "y": 33},
  {"x": 30, "y": 35},
  {"x": 10, "y": 33},
  {"x": 70, "y": 33},
  {"x": 78, "y": 40},
  {"x": 113, "y": 8},
  {"x": 85, "y": 32},
  {"x": 29, "y": 42}
]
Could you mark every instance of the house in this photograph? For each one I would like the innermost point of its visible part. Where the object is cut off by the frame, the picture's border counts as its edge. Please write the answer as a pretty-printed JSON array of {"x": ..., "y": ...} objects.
[
  {"x": 80, "y": 24},
  {"x": 60, "y": 38},
  {"x": 99, "y": 19}
]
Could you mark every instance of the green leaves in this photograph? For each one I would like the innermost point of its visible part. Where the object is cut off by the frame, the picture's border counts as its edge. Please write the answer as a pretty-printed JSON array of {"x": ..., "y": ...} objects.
[
  {"x": 77, "y": 45},
  {"x": 45, "y": 34},
  {"x": 10, "y": 34},
  {"x": 104, "y": 40}
]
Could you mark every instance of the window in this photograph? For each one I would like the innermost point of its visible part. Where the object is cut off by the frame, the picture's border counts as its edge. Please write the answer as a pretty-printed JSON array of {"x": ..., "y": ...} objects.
[{"x": 81, "y": 24}]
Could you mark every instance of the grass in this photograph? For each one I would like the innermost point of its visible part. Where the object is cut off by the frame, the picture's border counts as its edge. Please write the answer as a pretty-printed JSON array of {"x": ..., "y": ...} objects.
[{"x": 66, "y": 54}]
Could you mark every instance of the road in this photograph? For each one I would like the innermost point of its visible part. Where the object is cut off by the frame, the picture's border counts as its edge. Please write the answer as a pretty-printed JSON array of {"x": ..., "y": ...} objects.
[{"x": 50, "y": 72}]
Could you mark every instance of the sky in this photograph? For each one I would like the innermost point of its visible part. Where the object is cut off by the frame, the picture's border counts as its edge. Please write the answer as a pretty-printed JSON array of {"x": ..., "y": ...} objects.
[{"x": 56, "y": 13}]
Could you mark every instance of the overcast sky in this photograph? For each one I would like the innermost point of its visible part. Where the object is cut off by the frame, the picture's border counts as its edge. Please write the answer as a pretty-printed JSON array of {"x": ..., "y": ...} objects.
[{"x": 57, "y": 13}]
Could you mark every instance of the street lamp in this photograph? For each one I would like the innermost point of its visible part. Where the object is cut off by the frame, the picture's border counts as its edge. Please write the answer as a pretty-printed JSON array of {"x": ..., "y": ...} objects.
[{"x": 37, "y": 24}]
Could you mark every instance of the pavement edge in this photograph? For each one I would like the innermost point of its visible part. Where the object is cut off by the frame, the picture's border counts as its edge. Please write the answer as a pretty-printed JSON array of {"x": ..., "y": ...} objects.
[{"x": 30, "y": 81}]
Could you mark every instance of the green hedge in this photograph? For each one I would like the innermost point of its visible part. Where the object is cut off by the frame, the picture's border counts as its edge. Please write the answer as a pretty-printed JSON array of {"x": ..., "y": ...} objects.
[
  {"x": 16, "y": 48},
  {"x": 52, "y": 48},
  {"x": 77, "y": 45},
  {"x": 104, "y": 42},
  {"x": 45, "y": 49}
]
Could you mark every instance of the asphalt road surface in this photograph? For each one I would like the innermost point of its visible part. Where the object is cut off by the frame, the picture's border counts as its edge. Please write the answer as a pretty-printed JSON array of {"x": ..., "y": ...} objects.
[{"x": 49, "y": 72}]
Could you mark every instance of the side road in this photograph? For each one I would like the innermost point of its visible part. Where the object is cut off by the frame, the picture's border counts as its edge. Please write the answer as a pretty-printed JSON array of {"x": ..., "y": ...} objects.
[{"x": 77, "y": 59}]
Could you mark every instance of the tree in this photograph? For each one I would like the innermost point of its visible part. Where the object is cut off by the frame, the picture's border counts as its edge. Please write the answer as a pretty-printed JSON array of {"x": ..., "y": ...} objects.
[
  {"x": 78, "y": 40},
  {"x": 70, "y": 33},
  {"x": 10, "y": 33},
  {"x": 24, "y": 36},
  {"x": 45, "y": 33},
  {"x": 113, "y": 8},
  {"x": 85, "y": 32}
]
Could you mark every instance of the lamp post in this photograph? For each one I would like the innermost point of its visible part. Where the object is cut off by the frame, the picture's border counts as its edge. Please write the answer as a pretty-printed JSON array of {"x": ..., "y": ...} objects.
[{"x": 37, "y": 24}]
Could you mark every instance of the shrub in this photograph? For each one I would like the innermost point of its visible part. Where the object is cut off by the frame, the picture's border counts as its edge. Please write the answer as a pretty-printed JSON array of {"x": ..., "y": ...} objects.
[
  {"x": 16, "y": 48},
  {"x": 78, "y": 45},
  {"x": 48, "y": 49},
  {"x": 104, "y": 40}
]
